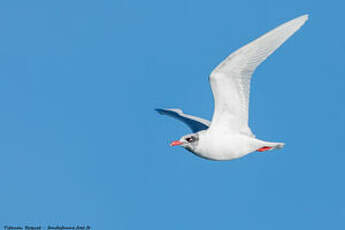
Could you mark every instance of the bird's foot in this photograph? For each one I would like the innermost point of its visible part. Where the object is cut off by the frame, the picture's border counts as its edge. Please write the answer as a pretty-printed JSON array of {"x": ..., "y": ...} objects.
[{"x": 265, "y": 148}]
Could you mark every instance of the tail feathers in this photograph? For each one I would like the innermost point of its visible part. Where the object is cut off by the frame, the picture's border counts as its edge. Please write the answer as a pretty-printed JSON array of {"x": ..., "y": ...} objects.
[{"x": 279, "y": 145}]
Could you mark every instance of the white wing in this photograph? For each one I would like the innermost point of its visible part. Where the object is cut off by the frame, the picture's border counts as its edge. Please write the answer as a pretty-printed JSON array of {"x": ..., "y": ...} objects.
[
  {"x": 230, "y": 81},
  {"x": 196, "y": 124}
]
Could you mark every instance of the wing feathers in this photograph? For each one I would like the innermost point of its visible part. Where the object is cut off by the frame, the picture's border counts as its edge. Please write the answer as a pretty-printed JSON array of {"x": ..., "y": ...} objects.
[
  {"x": 230, "y": 80},
  {"x": 194, "y": 123}
]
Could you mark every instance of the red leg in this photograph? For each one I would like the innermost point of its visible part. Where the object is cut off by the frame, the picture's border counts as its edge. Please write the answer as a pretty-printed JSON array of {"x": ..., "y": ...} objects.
[{"x": 265, "y": 148}]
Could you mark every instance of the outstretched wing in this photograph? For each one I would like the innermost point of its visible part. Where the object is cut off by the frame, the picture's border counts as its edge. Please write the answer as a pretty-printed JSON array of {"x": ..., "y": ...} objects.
[
  {"x": 196, "y": 124},
  {"x": 230, "y": 81}
]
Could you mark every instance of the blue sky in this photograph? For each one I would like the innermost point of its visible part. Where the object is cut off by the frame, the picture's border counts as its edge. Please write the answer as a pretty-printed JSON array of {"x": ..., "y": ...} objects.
[{"x": 81, "y": 144}]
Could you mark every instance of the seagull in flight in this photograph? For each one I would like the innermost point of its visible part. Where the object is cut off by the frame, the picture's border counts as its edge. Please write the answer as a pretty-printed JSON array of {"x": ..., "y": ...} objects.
[{"x": 228, "y": 136}]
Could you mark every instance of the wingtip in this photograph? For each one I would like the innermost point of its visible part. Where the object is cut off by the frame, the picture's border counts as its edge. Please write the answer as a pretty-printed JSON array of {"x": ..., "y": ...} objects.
[
  {"x": 158, "y": 110},
  {"x": 299, "y": 21},
  {"x": 304, "y": 17}
]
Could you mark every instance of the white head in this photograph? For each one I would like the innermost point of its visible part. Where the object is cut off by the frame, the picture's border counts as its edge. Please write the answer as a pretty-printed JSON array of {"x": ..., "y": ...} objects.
[{"x": 189, "y": 142}]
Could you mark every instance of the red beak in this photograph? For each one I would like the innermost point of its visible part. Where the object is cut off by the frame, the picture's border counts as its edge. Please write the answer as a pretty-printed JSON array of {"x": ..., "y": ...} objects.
[{"x": 175, "y": 143}]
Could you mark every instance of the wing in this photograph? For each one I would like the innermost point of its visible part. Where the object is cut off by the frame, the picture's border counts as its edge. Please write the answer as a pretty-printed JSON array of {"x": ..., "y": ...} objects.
[
  {"x": 196, "y": 124},
  {"x": 230, "y": 80}
]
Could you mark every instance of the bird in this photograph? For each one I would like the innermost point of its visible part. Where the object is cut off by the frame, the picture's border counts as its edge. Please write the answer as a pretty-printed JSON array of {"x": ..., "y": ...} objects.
[{"x": 228, "y": 136}]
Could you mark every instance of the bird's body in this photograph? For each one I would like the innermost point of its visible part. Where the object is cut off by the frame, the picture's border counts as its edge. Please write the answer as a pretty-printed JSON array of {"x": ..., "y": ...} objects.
[
  {"x": 229, "y": 146},
  {"x": 228, "y": 136}
]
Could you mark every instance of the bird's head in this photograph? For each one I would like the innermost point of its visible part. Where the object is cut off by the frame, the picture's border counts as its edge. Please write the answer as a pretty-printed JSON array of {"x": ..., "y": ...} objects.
[{"x": 189, "y": 142}]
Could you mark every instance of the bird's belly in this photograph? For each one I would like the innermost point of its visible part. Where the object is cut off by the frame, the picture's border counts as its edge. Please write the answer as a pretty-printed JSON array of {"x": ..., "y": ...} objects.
[{"x": 227, "y": 148}]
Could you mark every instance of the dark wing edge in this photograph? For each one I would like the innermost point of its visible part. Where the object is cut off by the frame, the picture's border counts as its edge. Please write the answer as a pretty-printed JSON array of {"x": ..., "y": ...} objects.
[{"x": 196, "y": 124}]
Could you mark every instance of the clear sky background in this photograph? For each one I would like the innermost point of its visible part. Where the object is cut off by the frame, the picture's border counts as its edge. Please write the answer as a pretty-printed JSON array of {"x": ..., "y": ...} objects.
[{"x": 80, "y": 142}]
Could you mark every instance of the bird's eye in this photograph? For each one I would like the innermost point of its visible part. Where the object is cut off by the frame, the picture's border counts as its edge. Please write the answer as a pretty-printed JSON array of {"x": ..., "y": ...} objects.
[{"x": 190, "y": 139}]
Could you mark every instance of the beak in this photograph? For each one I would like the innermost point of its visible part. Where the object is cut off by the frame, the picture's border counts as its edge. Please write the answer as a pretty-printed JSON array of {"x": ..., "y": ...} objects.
[{"x": 175, "y": 143}]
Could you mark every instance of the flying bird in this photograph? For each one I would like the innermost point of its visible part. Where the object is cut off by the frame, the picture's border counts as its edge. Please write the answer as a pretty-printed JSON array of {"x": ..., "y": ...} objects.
[{"x": 228, "y": 136}]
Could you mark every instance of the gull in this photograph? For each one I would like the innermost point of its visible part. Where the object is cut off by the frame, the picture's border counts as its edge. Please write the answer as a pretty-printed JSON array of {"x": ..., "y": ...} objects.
[{"x": 228, "y": 136}]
